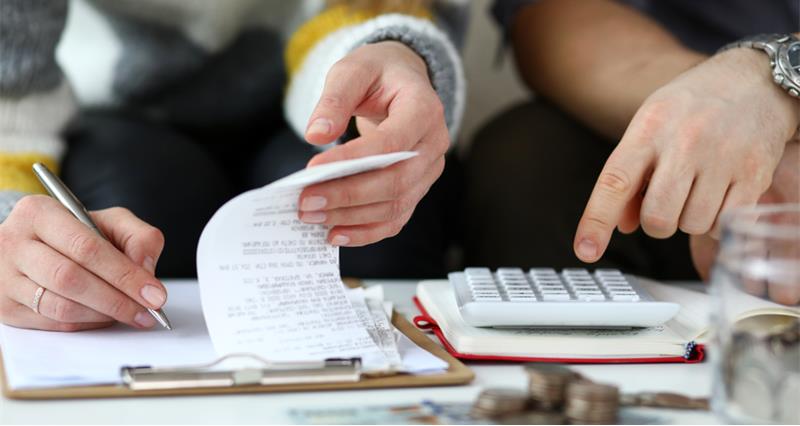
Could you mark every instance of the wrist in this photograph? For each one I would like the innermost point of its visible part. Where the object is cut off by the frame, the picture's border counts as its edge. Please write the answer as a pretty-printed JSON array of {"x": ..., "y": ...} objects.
[
  {"x": 407, "y": 55},
  {"x": 755, "y": 69}
]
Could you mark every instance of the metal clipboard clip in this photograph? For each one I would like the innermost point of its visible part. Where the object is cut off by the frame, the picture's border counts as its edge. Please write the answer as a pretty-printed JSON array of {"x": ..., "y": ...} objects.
[{"x": 212, "y": 375}]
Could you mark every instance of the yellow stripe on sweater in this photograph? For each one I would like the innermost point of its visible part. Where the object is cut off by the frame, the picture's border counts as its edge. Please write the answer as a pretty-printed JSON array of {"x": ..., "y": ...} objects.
[
  {"x": 332, "y": 19},
  {"x": 16, "y": 173}
]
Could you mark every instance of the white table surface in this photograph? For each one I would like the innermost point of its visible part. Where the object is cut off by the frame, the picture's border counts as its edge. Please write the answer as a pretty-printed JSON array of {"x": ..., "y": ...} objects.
[{"x": 691, "y": 379}]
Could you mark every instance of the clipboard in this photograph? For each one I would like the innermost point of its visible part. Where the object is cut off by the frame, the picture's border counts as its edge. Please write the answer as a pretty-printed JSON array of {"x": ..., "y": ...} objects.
[{"x": 348, "y": 371}]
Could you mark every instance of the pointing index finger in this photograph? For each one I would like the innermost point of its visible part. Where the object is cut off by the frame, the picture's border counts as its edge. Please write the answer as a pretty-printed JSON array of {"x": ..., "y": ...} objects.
[{"x": 621, "y": 178}]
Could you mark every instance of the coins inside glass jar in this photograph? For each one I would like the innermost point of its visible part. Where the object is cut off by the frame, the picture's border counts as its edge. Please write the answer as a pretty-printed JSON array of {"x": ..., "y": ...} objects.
[
  {"x": 591, "y": 403},
  {"x": 499, "y": 402}
]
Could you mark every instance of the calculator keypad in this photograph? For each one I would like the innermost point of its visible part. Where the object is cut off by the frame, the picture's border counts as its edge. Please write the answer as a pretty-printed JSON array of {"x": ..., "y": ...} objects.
[{"x": 547, "y": 285}]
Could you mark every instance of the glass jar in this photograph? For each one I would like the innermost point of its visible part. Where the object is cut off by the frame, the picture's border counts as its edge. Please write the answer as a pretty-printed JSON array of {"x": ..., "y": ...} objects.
[{"x": 756, "y": 297}]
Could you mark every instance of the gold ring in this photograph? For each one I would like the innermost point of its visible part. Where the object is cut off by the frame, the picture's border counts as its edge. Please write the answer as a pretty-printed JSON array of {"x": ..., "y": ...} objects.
[{"x": 36, "y": 298}]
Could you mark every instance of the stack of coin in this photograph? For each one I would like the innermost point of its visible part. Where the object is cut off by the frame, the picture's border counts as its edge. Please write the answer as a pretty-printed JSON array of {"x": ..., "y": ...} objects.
[
  {"x": 499, "y": 402},
  {"x": 591, "y": 403},
  {"x": 547, "y": 384}
]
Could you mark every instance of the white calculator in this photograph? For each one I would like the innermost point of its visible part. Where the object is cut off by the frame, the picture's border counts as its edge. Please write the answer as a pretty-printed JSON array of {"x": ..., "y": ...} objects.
[{"x": 542, "y": 297}]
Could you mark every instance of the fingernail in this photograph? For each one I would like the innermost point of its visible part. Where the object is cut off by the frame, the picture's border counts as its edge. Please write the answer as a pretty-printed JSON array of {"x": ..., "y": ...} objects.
[
  {"x": 340, "y": 240},
  {"x": 153, "y": 295},
  {"x": 313, "y": 217},
  {"x": 144, "y": 319},
  {"x": 587, "y": 249},
  {"x": 312, "y": 203},
  {"x": 321, "y": 126},
  {"x": 149, "y": 264}
]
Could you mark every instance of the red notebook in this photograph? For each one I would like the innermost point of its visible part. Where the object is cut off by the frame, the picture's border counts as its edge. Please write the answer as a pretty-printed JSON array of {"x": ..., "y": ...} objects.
[{"x": 675, "y": 342}]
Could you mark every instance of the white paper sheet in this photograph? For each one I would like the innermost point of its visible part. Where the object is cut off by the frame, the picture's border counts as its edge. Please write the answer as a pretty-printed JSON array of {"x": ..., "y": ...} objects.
[
  {"x": 41, "y": 359},
  {"x": 35, "y": 358},
  {"x": 376, "y": 330},
  {"x": 413, "y": 359},
  {"x": 270, "y": 284}
]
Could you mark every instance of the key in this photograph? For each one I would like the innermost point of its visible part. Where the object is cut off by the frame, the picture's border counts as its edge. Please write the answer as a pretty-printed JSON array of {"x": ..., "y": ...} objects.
[{"x": 664, "y": 400}]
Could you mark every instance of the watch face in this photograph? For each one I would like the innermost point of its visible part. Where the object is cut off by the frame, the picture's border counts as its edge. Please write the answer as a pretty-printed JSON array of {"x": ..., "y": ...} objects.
[{"x": 794, "y": 57}]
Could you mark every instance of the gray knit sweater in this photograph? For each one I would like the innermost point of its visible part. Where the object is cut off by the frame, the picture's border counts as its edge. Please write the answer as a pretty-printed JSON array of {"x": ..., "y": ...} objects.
[{"x": 57, "y": 56}]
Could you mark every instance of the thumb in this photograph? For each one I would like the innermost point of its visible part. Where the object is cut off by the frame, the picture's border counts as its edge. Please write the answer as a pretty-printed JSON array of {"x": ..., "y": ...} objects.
[
  {"x": 346, "y": 87},
  {"x": 141, "y": 242}
]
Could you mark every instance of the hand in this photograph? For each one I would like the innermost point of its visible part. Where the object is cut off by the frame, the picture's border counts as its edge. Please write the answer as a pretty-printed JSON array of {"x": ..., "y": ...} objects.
[
  {"x": 386, "y": 86},
  {"x": 706, "y": 142},
  {"x": 88, "y": 282},
  {"x": 785, "y": 188}
]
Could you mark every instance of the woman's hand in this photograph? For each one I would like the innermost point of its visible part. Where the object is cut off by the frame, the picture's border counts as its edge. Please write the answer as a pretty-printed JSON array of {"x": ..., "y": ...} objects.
[
  {"x": 706, "y": 142},
  {"x": 386, "y": 87},
  {"x": 89, "y": 282}
]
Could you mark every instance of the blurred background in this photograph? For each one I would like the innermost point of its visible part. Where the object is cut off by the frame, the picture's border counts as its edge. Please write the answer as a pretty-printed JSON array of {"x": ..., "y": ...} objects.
[{"x": 492, "y": 86}]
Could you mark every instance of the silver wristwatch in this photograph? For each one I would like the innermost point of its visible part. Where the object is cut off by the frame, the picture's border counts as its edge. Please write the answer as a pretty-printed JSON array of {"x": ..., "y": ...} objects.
[{"x": 784, "y": 57}]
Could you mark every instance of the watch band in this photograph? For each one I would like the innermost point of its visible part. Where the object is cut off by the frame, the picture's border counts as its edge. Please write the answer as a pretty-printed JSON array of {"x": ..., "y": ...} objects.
[
  {"x": 775, "y": 47},
  {"x": 765, "y": 42}
]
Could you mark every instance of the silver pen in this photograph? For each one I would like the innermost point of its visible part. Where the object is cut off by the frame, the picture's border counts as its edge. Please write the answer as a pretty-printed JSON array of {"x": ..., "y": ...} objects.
[{"x": 60, "y": 192}]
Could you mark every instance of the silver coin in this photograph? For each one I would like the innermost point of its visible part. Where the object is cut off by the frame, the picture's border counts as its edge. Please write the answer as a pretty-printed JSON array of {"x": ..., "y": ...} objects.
[{"x": 495, "y": 402}]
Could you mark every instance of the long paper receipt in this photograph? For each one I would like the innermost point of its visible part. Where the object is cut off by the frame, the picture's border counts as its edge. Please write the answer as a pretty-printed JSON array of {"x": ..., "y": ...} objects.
[{"x": 270, "y": 284}]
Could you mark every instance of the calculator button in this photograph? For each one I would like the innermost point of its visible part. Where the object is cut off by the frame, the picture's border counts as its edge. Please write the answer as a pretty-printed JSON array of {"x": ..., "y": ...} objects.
[
  {"x": 551, "y": 288},
  {"x": 607, "y": 272},
  {"x": 510, "y": 271},
  {"x": 587, "y": 290},
  {"x": 552, "y": 292},
  {"x": 580, "y": 282},
  {"x": 519, "y": 292},
  {"x": 482, "y": 284},
  {"x": 617, "y": 284},
  {"x": 488, "y": 299},
  {"x": 625, "y": 297},
  {"x": 522, "y": 296},
  {"x": 619, "y": 288},
  {"x": 513, "y": 281},
  {"x": 547, "y": 282},
  {"x": 477, "y": 271},
  {"x": 556, "y": 296},
  {"x": 545, "y": 271},
  {"x": 487, "y": 279},
  {"x": 510, "y": 289},
  {"x": 485, "y": 290},
  {"x": 612, "y": 279},
  {"x": 591, "y": 297}
]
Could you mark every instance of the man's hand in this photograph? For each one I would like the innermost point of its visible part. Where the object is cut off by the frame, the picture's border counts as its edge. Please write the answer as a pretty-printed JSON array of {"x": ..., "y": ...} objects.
[
  {"x": 785, "y": 188},
  {"x": 386, "y": 87},
  {"x": 706, "y": 142},
  {"x": 89, "y": 282}
]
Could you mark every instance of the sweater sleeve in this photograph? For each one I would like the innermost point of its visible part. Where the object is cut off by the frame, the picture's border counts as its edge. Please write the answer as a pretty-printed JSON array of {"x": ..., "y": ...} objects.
[
  {"x": 320, "y": 43},
  {"x": 35, "y": 98}
]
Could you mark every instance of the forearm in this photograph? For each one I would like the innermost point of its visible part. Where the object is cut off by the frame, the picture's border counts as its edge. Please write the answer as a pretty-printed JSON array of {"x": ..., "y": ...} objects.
[{"x": 597, "y": 59}]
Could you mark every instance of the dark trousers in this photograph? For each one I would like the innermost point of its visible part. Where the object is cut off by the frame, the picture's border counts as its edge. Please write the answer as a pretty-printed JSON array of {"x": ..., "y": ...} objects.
[
  {"x": 175, "y": 179},
  {"x": 529, "y": 174}
]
